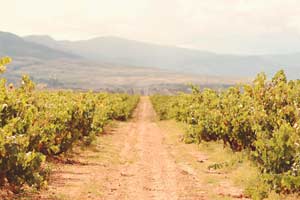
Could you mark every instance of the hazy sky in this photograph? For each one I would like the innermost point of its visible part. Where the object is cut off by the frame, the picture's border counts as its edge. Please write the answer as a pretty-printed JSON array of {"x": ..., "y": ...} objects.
[{"x": 230, "y": 26}]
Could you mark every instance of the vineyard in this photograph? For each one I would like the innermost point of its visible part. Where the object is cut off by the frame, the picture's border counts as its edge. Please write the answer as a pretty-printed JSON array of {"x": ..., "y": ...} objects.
[
  {"x": 262, "y": 118},
  {"x": 36, "y": 125}
]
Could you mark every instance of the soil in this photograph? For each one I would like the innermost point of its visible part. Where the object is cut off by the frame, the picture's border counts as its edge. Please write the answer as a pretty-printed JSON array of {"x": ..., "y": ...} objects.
[{"x": 130, "y": 161}]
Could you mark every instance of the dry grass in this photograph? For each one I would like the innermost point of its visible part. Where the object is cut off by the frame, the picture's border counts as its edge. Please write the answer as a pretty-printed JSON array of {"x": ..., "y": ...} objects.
[
  {"x": 239, "y": 172},
  {"x": 227, "y": 182}
]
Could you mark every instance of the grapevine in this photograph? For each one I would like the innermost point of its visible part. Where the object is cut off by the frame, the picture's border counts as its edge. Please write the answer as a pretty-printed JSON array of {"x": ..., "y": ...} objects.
[
  {"x": 262, "y": 118},
  {"x": 36, "y": 124}
]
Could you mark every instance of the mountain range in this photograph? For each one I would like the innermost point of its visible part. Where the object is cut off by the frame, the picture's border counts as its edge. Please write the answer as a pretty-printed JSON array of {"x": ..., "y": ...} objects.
[
  {"x": 133, "y": 53},
  {"x": 16, "y": 46},
  {"x": 105, "y": 62}
]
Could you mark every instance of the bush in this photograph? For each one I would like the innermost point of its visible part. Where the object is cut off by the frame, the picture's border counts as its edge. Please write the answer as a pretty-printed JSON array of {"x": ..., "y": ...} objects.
[{"x": 263, "y": 117}]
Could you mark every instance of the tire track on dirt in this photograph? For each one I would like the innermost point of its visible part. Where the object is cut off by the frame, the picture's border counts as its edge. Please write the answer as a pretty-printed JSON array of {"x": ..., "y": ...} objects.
[
  {"x": 129, "y": 162},
  {"x": 153, "y": 173}
]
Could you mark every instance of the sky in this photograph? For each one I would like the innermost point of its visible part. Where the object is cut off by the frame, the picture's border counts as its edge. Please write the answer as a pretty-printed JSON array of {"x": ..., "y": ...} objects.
[{"x": 221, "y": 26}]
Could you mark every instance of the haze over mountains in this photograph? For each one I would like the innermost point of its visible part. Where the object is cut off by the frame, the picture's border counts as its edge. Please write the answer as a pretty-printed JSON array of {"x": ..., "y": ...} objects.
[
  {"x": 116, "y": 62},
  {"x": 15, "y": 46},
  {"x": 133, "y": 53}
]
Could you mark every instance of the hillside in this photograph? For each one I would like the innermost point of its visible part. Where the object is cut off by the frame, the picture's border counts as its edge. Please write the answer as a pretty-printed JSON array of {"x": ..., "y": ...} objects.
[
  {"x": 56, "y": 64},
  {"x": 133, "y": 53},
  {"x": 15, "y": 46},
  {"x": 111, "y": 63},
  {"x": 83, "y": 75}
]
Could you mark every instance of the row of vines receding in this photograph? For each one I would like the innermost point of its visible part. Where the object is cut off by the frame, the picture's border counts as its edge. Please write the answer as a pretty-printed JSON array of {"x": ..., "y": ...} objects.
[
  {"x": 262, "y": 118},
  {"x": 36, "y": 124}
]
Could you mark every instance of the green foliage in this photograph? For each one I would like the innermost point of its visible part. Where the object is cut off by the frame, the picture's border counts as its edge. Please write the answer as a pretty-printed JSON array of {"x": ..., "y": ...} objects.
[
  {"x": 162, "y": 105},
  {"x": 262, "y": 118},
  {"x": 38, "y": 124},
  {"x": 4, "y": 61},
  {"x": 258, "y": 189}
]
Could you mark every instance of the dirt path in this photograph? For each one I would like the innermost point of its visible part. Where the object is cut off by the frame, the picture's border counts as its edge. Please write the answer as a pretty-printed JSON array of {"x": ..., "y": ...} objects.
[
  {"x": 132, "y": 161},
  {"x": 153, "y": 173}
]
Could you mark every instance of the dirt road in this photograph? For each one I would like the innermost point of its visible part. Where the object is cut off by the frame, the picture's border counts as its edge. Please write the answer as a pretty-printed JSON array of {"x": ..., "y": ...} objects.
[
  {"x": 153, "y": 174},
  {"x": 132, "y": 161}
]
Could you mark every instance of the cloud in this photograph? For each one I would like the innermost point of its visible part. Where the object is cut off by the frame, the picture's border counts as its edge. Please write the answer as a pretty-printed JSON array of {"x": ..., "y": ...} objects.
[{"x": 233, "y": 26}]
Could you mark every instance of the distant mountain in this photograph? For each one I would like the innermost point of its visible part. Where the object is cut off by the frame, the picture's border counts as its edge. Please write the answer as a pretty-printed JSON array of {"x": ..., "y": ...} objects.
[
  {"x": 133, "y": 53},
  {"x": 45, "y": 40},
  {"x": 112, "y": 62},
  {"x": 54, "y": 64},
  {"x": 15, "y": 46}
]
